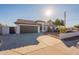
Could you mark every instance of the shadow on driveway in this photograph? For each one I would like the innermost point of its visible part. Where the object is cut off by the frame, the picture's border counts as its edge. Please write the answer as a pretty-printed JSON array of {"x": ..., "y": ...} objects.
[
  {"x": 15, "y": 41},
  {"x": 69, "y": 42}
]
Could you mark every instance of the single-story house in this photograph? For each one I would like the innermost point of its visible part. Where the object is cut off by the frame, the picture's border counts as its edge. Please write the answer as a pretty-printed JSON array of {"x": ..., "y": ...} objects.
[{"x": 29, "y": 26}]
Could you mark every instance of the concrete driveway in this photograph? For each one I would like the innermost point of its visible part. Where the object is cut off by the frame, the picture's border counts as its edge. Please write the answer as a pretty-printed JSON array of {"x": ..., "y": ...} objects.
[
  {"x": 48, "y": 46},
  {"x": 15, "y": 41},
  {"x": 45, "y": 41}
]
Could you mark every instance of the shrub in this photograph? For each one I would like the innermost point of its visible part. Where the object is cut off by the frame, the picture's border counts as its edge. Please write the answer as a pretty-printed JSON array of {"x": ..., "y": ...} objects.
[
  {"x": 76, "y": 26},
  {"x": 62, "y": 29}
]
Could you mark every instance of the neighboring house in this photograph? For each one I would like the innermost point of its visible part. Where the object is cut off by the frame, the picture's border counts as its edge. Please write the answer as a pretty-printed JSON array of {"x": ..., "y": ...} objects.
[
  {"x": 4, "y": 29},
  {"x": 1, "y": 28},
  {"x": 29, "y": 26},
  {"x": 8, "y": 29},
  {"x": 51, "y": 25}
]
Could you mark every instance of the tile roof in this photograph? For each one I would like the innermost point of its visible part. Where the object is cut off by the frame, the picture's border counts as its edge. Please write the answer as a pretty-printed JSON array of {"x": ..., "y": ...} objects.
[
  {"x": 22, "y": 21},
  {"x": 31, "y": 22},
  {"x": 40, "y": 21}
]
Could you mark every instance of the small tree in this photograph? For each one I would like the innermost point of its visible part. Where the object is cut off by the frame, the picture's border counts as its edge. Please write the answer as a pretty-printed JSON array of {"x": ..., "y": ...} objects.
[
  {"x": 76, "y": 26},
  {"x": 57, "y": 22},
  {"x": 62, "y": 22}
]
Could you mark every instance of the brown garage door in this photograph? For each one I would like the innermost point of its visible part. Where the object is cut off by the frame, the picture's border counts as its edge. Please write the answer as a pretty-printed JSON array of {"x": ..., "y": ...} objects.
[{"x": 28, "y": 29}]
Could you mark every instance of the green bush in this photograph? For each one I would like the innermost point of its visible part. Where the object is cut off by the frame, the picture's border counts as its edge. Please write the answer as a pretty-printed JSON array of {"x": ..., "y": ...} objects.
[{"x": 76, "y": 26}]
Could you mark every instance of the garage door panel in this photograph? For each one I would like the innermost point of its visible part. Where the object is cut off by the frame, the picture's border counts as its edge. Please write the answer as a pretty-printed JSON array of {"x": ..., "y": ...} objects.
[{"x": 28, "y": 29}]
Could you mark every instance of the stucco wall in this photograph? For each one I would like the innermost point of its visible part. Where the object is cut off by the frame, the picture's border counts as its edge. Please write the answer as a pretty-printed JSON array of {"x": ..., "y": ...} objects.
[
  {"x": 5, "y": 30},
  {"x": 17, "y": 29},
  {"x": 67, "y": 35}
]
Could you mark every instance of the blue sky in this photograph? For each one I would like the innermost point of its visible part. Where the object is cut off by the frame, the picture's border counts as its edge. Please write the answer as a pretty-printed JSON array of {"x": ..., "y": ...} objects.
[{"x": 9, "y": 13}]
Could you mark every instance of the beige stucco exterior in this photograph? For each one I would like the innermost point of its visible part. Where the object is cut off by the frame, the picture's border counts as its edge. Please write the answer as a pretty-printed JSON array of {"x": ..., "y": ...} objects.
[{"x": 29, "y": 26}]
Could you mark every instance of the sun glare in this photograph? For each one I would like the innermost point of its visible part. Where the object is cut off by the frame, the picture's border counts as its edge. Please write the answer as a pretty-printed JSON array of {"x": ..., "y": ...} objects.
[{"x": 48, "y": 12}]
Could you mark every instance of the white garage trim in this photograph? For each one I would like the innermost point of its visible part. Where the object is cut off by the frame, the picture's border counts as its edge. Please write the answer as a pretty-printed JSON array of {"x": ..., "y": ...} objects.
[
  {"x": 18, "y": 29},
  {"x": 38, "y": 29},
  {"x": 43, "y": 30},
  {"x": 27, "y": 25}
]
